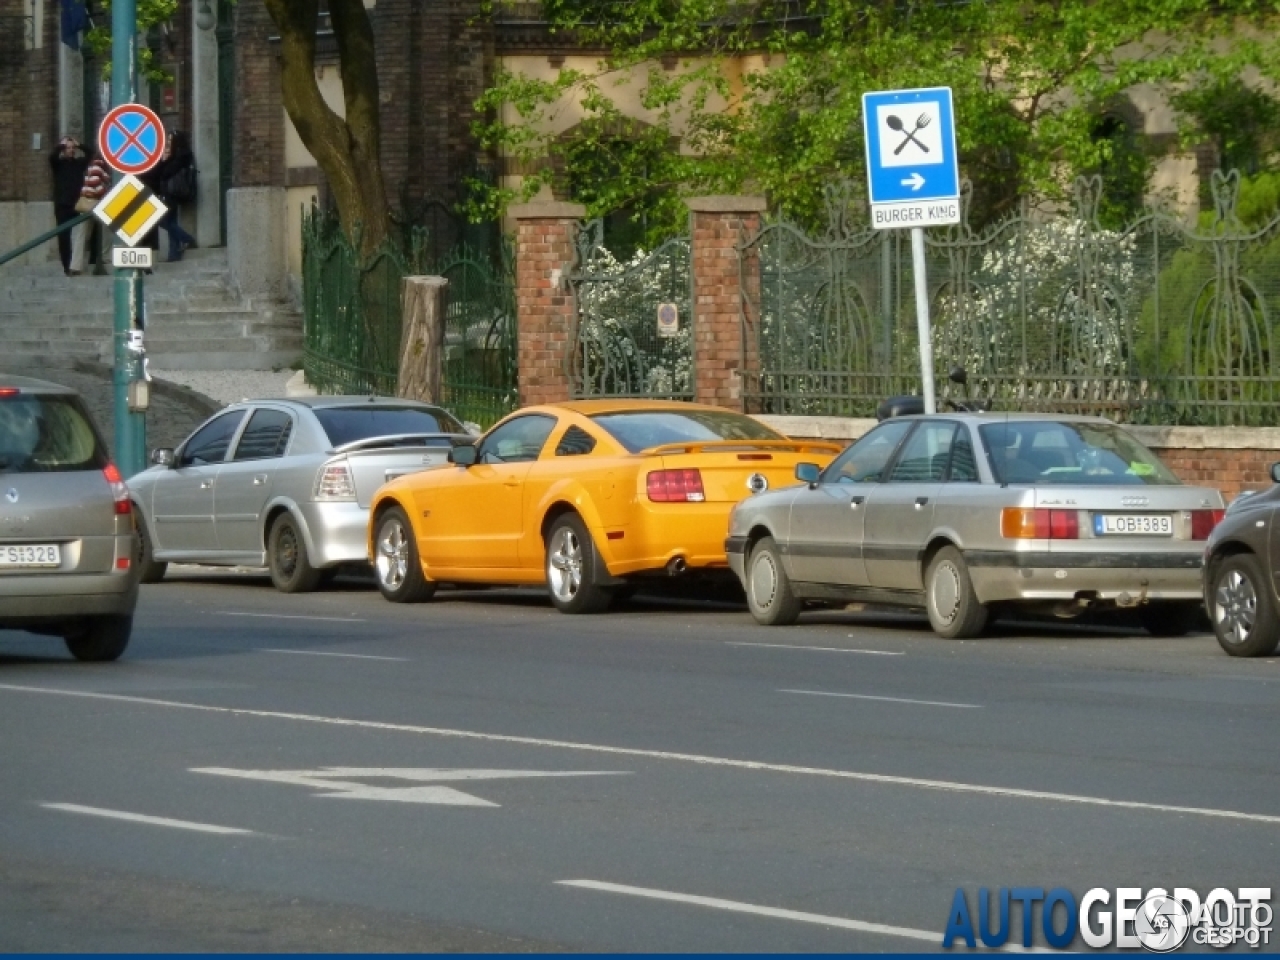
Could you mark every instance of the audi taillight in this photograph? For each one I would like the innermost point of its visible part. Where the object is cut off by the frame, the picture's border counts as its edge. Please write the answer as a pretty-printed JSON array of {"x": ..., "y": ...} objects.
[
  {"x": 1203, "y": 522},
  {"x": 119, "y": 492},
  {"x": 675, "y": 486},
  {"x": 334, "y": 482},
  {"x": 1025, "y": 523}
]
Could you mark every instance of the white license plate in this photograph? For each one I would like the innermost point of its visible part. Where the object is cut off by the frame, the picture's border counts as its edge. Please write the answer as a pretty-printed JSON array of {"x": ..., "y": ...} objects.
[
  {"x": 1133, "y": 525},
  {"x": 31, "y": 555}
]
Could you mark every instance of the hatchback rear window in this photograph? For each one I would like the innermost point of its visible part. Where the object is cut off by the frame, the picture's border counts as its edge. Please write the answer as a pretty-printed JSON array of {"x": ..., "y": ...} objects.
[
  {"x": 641, "y": 429},
  {"x": 348, "y": 424},
  {"x": 48, "y": 433}
]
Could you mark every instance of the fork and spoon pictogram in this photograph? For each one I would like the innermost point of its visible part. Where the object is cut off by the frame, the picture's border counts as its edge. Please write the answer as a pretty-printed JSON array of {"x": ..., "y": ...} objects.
[{"x": 898, "y": 126}]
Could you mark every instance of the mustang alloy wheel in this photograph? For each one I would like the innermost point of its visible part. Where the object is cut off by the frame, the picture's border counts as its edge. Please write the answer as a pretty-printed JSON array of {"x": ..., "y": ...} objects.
[
  {"x": 395, "y": 560},
  {"x": 571, "y": 563},
  {"x": 1242, "y": 609}
]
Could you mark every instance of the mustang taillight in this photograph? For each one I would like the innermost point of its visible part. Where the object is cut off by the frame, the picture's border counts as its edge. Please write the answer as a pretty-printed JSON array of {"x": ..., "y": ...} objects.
[
  {"x": 1203, "y": 522},
  {"x": 119, "y": 492},
  {"x": 1024, "y": 523},
  {"x": 675, "y": 486},
  {"x": 334, "y": 482}
]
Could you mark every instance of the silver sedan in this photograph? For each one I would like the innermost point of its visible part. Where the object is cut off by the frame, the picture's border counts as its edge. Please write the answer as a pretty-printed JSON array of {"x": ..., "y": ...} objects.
[
  {"x": 284, "y": 484},
  {"x": 962, "y": 513}
]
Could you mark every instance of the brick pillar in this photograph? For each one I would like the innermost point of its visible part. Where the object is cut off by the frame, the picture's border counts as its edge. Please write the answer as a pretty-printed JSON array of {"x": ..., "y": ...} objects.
[
  {"x": 545, "y": 233},
  {"x": 719, "y": 350}
]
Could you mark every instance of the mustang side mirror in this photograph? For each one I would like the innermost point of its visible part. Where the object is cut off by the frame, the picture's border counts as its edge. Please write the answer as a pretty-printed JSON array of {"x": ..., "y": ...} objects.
[
  {"x": 464, "y": 454},
  {"x": 1275, "y": 472},
  {"x": 808, "y": 473},
  {"x": 162, "y": 456}
]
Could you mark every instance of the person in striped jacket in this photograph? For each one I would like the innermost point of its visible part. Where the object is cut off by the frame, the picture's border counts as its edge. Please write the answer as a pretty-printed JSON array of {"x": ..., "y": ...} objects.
[{"x": 97, "y": 179}]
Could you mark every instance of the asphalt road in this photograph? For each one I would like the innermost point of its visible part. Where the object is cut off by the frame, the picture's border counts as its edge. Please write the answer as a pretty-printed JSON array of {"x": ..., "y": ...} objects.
[{"x": 332, "y": 772}]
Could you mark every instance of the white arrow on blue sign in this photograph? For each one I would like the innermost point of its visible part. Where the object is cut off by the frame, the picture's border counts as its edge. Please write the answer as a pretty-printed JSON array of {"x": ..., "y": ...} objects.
[{"x": 912, "y": 173}]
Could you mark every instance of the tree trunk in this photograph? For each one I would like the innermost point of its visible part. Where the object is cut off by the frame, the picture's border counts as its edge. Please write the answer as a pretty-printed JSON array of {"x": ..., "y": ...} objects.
[
  {"x": 422, "y": 340},
  {"x": 349, "y": 149}
]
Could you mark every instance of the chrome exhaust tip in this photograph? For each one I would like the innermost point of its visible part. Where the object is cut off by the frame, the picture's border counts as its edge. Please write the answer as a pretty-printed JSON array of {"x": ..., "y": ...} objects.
[{"x": 676, "y": 566}]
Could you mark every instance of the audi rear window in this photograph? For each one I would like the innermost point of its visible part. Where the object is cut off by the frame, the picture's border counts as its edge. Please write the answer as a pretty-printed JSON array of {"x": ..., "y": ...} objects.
[
  {"x": 638, "y": 430},
  {"x": 348, "y": 424},
  {"x": 1068, "y": 452},
  {"x": 49, "y": 433}
]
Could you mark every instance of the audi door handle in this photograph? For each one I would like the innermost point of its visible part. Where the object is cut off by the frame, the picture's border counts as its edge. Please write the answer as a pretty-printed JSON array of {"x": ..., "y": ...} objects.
[
  {"x": 856, "y": 502},
  {"x": 206, "y": 484},
  {"x": 921, "y": 501},
  {"x": 260, "y": 479}
]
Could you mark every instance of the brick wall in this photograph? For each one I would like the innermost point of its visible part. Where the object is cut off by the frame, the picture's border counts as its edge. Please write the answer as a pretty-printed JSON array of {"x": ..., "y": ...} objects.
[
  {"x": 258, "y": 151},
  {"x": 28, "y": 103},
  {"x": 544, "y": 244}
]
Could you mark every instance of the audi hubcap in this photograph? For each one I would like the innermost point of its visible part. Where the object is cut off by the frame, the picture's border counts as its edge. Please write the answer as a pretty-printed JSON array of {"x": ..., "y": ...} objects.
[
  {"x": 393, "y": 555},
  {"x": 945, "y": 592},
  {"x": 764, "y": 581},
  {"x": 1235, "y": 608},
  {"x": 564, "y": 564}
]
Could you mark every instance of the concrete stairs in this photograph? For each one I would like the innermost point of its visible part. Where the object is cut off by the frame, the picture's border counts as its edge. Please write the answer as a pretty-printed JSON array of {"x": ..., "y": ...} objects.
[{"x": 194, "y": 319}]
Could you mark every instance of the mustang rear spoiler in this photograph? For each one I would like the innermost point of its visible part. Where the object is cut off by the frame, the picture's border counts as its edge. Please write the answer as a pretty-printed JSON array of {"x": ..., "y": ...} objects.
[
  {"x": 401, "y": 439},
  {"x": 746, "y": 446}
]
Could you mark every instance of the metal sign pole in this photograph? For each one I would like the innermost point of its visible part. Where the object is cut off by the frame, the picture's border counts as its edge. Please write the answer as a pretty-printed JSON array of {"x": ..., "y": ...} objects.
[
  {"x": 131, "y": 437},
  {"x": 922, "y": 317}
]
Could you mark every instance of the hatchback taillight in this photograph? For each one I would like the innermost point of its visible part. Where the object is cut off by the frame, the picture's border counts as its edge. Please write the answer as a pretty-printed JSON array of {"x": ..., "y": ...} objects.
[
  {"x": 675, "y": 486},
  {"x": 334, "y": 482},
  {"x": 119, "y": 492},
  {"x": 1203, "y": 522},
  {"x": 1022, "y": 523}
]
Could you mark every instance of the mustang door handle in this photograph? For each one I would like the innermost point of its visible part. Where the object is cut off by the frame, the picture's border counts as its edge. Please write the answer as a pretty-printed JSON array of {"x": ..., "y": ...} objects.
[
  {"x": 921, "y": 501},
  {"x": 856, "y": 502},
  {"x": 260, "y": 479}
]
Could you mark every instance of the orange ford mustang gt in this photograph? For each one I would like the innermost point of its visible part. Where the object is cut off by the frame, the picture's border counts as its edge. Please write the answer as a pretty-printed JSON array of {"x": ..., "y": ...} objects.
[{"x": 579, "y": 496}]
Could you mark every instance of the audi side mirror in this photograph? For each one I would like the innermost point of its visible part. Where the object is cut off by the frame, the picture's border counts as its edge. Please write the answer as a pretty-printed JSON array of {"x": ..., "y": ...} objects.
[
  {"x": 464, "y": 454},
  {"x": 808, "y": 473},
  {"x": 162, "y": 456}
]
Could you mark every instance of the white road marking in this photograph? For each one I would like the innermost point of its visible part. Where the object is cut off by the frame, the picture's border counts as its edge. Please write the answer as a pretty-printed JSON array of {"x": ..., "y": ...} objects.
[
  {"x": 701, "y": 759},
  {"x": 735, "y": 906},
  {"x": 867, "y": 696},
  {"x": 342, "y": 782},
  {"x": 142, "y": 818},
  {"x": 285, "y": 616},
  {"x": 323, "y": 653},
  {"x": 794, "y": 646}
]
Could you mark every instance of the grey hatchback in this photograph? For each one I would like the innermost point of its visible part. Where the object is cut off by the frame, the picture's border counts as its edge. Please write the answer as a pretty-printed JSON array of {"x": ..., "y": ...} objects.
[{"x": 67, "y": 540}]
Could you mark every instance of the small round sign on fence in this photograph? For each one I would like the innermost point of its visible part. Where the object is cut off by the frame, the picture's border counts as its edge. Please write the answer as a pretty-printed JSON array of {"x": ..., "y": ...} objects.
[{"x": 668, "y": 320}]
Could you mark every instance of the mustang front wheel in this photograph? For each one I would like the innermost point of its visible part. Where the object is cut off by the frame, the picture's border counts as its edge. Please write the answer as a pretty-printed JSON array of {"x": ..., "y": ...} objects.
[
  {"x": 1243, "y": 614},
  {"x": 571, "y": 564},
  {"x": 769, "y": 594},
  {"x": 395, "y": 560}
]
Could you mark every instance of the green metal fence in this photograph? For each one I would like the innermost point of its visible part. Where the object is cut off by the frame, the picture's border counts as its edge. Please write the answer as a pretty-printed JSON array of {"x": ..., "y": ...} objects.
[
  {"x": 353, "y": 318},
  {"x": 1159, "y": 322}
]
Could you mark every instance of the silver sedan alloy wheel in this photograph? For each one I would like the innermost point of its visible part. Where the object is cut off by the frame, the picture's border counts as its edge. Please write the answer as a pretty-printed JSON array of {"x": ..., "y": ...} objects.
[
  {"x": 1235, "y": 607},
  {"x": 944, "y": 591},
  {"x": 393, "y": 554},
  {"x": 564, "y": 564}
]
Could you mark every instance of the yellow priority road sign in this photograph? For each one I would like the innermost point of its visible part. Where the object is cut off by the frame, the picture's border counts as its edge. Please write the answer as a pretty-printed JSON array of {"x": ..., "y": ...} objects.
[{"x": 130, "y": 209}]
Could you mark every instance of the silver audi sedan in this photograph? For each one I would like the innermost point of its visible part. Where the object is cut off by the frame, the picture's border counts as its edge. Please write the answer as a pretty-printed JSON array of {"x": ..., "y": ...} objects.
[
  {"x": 965, "y": 513},
  {"x": 284, "y": 484},
  {"x": 67, "y": 545}
]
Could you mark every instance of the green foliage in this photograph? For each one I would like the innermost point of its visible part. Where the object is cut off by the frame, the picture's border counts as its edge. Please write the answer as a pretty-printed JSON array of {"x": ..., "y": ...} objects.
[
  {"x": 1031, "y": 81},
  {"x": 151, "y": 13},
  {"x": 1239, "y": 120}
]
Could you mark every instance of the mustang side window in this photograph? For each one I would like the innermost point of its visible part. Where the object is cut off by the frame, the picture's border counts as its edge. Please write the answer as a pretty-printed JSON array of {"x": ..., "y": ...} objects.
[
  {"x": 925, "y": 458},
  {"x": 865, "y": 460},
  {"x": 575, "y": 442},
  {"x": 516, "y": 440}
]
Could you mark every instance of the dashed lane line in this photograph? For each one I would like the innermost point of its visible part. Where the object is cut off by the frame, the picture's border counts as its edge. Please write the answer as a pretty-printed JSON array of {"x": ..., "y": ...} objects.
[
  {"x": 867, "y": 696},
  {"x": 144, "y": 818},
  {"x": 796, "y": 646},
  {"x": 326, "y": 653},
  {"x": 694, "y": 758}
]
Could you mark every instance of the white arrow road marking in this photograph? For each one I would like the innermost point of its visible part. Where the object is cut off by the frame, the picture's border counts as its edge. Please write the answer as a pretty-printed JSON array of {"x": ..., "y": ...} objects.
[
  {"x": 344, "y": 782},
  {"x": 915, "y": 181}
]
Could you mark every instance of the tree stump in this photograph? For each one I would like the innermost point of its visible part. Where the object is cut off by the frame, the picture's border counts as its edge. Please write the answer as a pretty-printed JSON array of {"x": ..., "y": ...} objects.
[{"x": 422, "y": 339}]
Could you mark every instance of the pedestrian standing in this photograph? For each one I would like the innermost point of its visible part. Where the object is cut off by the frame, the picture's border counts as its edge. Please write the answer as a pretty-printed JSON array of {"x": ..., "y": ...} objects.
[
  {"x": 68, "y": 163},
  {"x": 176, "y": 174},
  {"x": 97, "y": 178}
]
